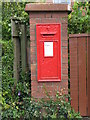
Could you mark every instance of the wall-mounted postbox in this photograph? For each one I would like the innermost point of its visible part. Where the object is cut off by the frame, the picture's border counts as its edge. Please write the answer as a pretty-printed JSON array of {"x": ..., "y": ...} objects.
[{"x": 48, "y": 52}]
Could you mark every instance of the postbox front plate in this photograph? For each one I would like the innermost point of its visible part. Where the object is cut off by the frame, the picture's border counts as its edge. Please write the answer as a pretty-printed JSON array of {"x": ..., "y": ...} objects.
[{"x": 48, "y": 52}]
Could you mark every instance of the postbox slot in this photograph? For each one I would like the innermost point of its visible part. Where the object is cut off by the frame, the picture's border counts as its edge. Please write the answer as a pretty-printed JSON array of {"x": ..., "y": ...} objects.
[{"x": 48, "y": 34}]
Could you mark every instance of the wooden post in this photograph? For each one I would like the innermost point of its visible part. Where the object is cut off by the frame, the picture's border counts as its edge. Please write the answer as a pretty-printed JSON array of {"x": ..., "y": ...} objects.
[
  {"x": 16, "y": 42},
  {"x": 23, "y": 47},
  {"x": 88, "y": 74}
]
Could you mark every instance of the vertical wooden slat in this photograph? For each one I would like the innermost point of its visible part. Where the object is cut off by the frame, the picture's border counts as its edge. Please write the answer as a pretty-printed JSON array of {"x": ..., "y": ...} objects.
[
  {"x": 16, "y": 42},
  {"x": 23, "y": 47},
  {"x": 28, "y": 57},
  {"x": 28, "y": 53},
  {"x": 82, "y": 74},
  {"x": 88, "y": 74},
  {"x": 73, "y": 73}
]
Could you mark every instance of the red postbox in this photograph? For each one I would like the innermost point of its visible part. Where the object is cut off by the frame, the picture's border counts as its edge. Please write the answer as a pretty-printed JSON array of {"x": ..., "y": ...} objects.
[{"x": 48, "y": 52}]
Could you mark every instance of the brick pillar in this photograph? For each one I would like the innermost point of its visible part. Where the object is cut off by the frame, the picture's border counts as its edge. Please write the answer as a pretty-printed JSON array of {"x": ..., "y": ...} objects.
[{"x": 48, "y": 13}]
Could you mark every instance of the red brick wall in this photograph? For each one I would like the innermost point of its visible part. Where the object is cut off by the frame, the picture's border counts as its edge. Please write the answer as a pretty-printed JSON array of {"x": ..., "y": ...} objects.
[{"x": 38, "y": 88}]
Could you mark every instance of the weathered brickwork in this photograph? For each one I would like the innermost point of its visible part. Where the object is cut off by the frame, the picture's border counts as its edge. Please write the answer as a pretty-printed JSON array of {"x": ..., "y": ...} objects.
[{"x": 38, "y": 89}]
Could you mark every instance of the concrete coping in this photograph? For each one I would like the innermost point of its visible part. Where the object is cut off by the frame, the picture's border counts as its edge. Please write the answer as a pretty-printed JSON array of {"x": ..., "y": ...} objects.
[{"x": 34, "y": 7}]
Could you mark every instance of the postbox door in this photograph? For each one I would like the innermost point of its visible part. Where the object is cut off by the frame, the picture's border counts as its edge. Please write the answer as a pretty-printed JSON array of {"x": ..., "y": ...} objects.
[{"x": 48, "y": 52}]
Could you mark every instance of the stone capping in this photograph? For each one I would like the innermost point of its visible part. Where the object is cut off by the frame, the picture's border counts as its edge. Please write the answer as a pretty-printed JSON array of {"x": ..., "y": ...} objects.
[{"x": 33, "y": 7}]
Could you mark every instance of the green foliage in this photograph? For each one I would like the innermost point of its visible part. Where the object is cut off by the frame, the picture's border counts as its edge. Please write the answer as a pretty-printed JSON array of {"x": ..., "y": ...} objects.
[
  {"x": 14, "y": 107},
  {"x": 7, "y": 68},
  {"x": 79, "y": 19},
  {"x": 9, "y": 10},
  {"x": 10, "y": 98},
  {"x": 28, "y": 109}
]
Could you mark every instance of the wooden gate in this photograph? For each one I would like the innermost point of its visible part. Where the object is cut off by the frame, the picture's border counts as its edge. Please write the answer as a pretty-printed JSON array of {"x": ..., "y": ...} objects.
[{"x": 80, "y": 72}]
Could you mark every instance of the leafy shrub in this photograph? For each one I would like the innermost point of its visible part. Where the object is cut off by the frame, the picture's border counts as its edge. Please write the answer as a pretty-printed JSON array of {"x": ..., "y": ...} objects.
[
  {"x": 11, "y": 9},
  {"x": 79, "y": 19},
  {"x": 28, "y": 109},
  {"x": 12, "y": 97},
  {"x": 7, "y": 72},
  {"x": 50, "y": 109}
]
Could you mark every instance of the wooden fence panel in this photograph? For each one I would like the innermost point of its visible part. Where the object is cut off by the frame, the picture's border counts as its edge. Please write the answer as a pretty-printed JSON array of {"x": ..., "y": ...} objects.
[
  {"x": 88, "y": 74},
  {"x": 80, "y": 73},
  {"x": 74, "y": 73},
  {"x": 21, "y": 54}
]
